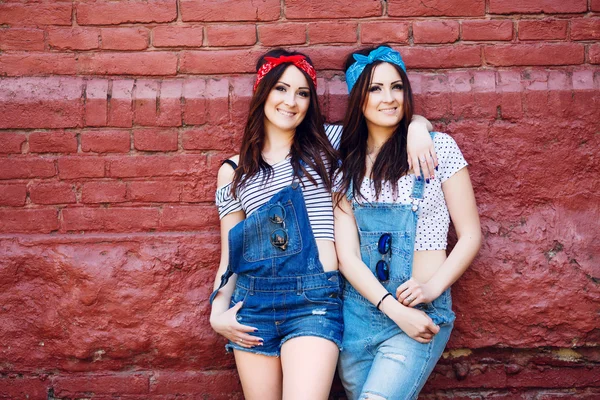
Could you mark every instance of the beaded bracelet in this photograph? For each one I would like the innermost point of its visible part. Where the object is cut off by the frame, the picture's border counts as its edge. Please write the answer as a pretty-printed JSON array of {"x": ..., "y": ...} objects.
[{"x": 383, "y": 298}]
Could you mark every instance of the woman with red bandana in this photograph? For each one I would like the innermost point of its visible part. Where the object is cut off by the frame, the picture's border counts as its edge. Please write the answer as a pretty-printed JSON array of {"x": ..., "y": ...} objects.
[{"x": 278, "y": 297}]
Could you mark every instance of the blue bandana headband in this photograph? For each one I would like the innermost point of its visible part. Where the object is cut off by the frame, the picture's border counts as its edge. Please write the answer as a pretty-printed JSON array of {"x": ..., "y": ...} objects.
[{"x": 382, "y": 53}]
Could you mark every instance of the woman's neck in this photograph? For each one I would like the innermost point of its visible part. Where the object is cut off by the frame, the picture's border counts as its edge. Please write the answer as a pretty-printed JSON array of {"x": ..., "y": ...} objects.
[
  {"x": 277, "y": 145},
  {"x": 377, "y": 138}
]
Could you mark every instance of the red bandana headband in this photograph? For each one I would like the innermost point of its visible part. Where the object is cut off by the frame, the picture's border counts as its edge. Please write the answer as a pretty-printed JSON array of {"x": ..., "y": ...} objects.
[{"x": 298, "y": 60}]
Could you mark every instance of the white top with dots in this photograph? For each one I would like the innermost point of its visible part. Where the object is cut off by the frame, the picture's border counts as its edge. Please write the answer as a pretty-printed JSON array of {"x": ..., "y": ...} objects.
[{"x": 434, "y": 219}]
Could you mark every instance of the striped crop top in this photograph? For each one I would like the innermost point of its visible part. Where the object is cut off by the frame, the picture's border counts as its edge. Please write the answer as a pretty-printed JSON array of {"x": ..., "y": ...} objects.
[{"x": 255, "y": 192}]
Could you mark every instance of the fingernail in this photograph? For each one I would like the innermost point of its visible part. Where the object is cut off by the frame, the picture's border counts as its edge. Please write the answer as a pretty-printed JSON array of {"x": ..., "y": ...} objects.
[
  {"x": 436, "y": 167},
  {"x": 427, "y": 180},
  {"x": 418, "y": 178},
  {"x": 255, "y": 330}
]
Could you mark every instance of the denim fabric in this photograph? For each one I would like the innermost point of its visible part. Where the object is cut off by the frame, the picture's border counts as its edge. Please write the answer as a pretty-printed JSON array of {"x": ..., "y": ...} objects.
[
  {"x": 378, "y": 357},
  {"x": 286, "y": 293}
]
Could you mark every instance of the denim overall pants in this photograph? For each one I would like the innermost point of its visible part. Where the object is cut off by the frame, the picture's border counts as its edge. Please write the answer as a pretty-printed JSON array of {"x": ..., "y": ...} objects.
[
  {"x": 285, "y": 291},
  {"x": 379, "y": 360}
]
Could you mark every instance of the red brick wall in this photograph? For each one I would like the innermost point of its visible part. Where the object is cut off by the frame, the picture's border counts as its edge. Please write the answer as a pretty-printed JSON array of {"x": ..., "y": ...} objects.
[{"x": 114, "y": 117}]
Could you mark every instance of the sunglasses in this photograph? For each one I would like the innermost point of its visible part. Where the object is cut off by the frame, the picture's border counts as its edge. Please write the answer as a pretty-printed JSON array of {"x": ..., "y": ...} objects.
[
  {"x": 279, "y": 237},
  {"x": 382, "y": 268}
]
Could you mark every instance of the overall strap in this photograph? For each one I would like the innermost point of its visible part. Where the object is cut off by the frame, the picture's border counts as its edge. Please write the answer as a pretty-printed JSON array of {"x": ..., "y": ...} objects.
[
  {"x": 418, "y": 188},
  {"x": 224, "y": 279},
  {"x": 230, "y": 162}
]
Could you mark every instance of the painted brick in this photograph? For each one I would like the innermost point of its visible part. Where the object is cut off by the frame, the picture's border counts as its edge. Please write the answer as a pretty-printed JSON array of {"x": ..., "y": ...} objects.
[
  {"x": 536, "y": 7},
  {"x": 13, "y": 195},
  {"x": 157, "y": 165},
  {"x": 310, "y": 9},
  {"x": 73, "y": 38},
  {"x": 113, "y": 219},
  {"x": 542, "y": 29},
  {"x": 177, "y": 36},
  {"x": 194, "y": 109},
  {"x": 24, "y": 387},
  {"x": 129, "y": 11},
  {"x": 535, "y": 54},
  {"x": 435, "y": 31},
  {"x": 282, "y": 34},
  {"x": 145, "y": 102},
  {"x": 170, "y": 108},
  {"x": 217, "y": 100},
  {"x": 155, "y": 139},
  {"x": 53, "y": 142},
  {"x": 487, "y": 30},
  {"x": 328, "y": 57},
  {"x": 121, "y": 105},
  {"x": 103, "y": 192},
  {"x": 151, "y": 63},
  {"x": 125, "y": 38},
  {"x": 393, "y": 32},
  {"x": 96, "y": 104},
  {"x": 28, "y": 220},
  {"x": 155, "y": 191},
  {"x": 52, "y": 193},
  {"x": 109, "y": 141},
  {"x": 167, "y": 382},
  {"x": 332, "y": 32},
  {"x": 595, "y": 5},
  {"x": 585, "y": 29},
  {"x": 230, "y": 35},
  {"x": 11, "y": 142},
  {"x": 594, "y": 54},
  {"x": 21, "y": 39},
  {"x": 15, "y": 14},
  {"x": 207, "y": 138},
  {"x": 80, "y": 167},
  {"x": 33, "y": 63},
  {"x": 186, "y": 218},
  {"x": 26, "y": 167},
  {"x": 441, "y": 57},
  {"x": 219, "y": 62},
  {"x": 436, "y": 8},
  {"x": 245, "y": 10}
]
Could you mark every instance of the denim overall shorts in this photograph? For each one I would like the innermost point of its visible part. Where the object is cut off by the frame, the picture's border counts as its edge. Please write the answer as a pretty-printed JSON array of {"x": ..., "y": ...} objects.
[
  {"x": 371, "y": 339},
  {"x": 285, "y": 291}
]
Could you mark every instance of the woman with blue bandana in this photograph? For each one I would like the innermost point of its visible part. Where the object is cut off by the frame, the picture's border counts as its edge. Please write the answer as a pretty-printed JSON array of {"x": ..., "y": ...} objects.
[{"x": 391, "y": 235}]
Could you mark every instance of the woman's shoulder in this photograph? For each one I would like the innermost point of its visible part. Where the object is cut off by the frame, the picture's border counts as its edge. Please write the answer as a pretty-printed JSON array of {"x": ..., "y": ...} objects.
[{"x": 227, "y": 171}]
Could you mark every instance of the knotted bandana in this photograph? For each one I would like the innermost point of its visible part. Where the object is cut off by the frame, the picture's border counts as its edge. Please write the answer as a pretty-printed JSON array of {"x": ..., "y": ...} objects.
[
  {"x": 298, "y": 60},
  {"x": 382, "y": 53}
]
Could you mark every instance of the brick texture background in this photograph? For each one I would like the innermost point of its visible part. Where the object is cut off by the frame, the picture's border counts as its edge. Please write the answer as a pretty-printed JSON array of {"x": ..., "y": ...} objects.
[{"x": 115, "y": 115}]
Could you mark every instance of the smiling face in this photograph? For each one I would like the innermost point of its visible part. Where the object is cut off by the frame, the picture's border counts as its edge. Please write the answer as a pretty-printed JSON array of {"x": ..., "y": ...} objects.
[
  {"x": 288, "y": 101},
  {"x": 384, "y": 105}
]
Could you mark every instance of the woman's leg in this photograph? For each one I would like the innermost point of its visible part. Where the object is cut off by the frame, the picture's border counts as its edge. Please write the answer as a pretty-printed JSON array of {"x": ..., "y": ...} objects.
[
  {"x": 260, "y": 375},
  {"x": 308, "y": 366},
  {"x": 402, "y": 366}
]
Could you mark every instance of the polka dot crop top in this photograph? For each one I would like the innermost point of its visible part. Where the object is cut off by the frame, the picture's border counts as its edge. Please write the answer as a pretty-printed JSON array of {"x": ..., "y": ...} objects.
[{"x": 434, "y": 219}]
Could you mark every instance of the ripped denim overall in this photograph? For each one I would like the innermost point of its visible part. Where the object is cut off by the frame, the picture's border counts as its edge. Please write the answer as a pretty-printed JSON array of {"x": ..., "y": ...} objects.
[
  {"x": 285, "y": 291},
  {"x": 379, "y": 360}
]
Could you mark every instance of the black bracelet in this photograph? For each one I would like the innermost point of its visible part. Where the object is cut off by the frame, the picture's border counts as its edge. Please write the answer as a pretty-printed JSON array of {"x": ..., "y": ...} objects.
[{"x": 383, "y": 298}]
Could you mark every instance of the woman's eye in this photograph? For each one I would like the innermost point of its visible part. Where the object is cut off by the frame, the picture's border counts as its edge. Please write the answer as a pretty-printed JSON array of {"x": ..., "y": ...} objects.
[
  {"x": 398, "y": 86},
  {"x": 304, "y": 94},
  {"x": 280, "y": 88},
  {"x": 374, "y": 88}
]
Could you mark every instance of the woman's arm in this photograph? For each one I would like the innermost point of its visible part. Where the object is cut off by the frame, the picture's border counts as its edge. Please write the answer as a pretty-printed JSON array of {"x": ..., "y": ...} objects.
[
  {"x": 222, "y": 318},
  {"x": 420, "y": 147},
  {"x": 415, "y": 323},
  {"x": 460, "y": 199}
]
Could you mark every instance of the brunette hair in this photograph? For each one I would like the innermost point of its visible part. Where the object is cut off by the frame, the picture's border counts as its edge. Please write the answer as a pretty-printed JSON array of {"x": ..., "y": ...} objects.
[
  {"x": 310, "y": 144},
  {"x": 392, "y": 161}
]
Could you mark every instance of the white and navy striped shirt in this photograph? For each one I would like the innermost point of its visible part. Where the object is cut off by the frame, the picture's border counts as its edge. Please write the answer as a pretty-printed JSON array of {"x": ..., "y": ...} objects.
[{"x": 255, "y": 192}]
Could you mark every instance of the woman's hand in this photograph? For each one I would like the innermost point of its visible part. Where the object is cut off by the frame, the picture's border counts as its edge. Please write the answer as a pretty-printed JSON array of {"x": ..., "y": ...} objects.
[
  {"x": 411, "y": 293},
  {"x": 415, "y": 323},
  {"x": 419, "y": 145},
  {"x": 227, "y": 325}
]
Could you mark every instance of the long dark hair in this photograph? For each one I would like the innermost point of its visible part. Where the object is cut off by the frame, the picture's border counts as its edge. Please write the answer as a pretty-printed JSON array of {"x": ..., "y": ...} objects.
[
  {"x": 310, "y": 144},
  {"x": 392, "y": 161}
]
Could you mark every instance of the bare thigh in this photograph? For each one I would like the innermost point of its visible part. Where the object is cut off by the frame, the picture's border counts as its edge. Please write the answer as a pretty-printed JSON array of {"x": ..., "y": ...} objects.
[
  {"x": 308, "y": 366},
  {"x": 261, "y": 376}
]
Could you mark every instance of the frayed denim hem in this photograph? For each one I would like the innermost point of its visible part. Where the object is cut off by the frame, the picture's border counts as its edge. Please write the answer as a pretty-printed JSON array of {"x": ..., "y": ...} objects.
[
  {"x": 256, "y": 350},
  {"x": 338, "y": 343}
]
